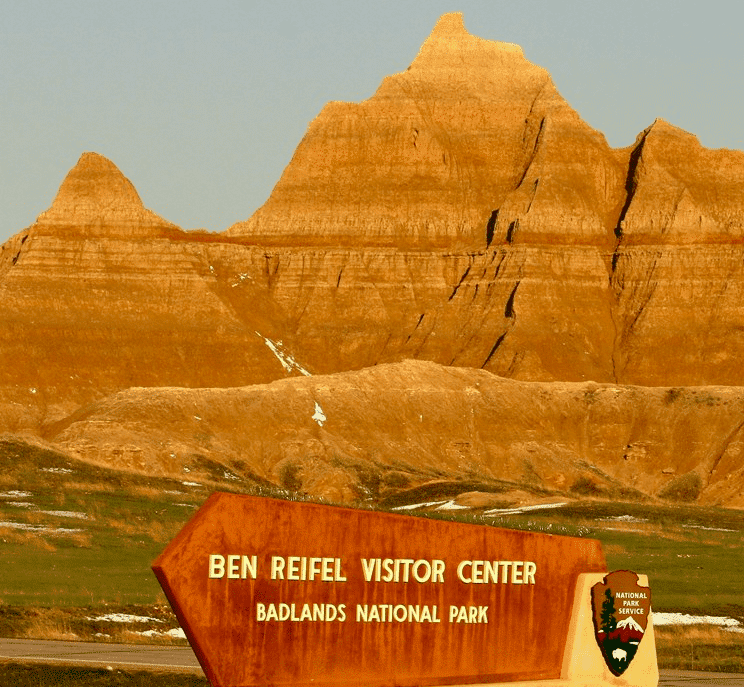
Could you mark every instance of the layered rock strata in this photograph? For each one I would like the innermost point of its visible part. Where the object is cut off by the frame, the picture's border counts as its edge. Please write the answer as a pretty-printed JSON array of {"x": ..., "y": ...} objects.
[
  {"x": 575, "y": 261},
  {"x": 464, "y": 214},
  {"x": 364, "y": 436},
  {"x": 430, "y": 159},
  {"x": 101, "y": 294},
  {"x": 97, "y": 199}
]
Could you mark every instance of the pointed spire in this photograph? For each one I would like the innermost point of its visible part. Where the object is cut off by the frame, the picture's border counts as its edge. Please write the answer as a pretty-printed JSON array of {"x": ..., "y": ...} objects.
[
  {"x": 450, "y": 52},
  {"x": 96, "y": 193},
  {"x": 450, "y": 25}
]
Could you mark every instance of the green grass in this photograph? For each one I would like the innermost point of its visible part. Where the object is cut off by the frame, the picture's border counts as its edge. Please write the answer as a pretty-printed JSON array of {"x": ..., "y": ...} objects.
[
  {"x": 693, "y": 566},
  {"x": 20, "y": 675},
  {"x": 78, "y": 577},
  {"x": 101, "y": 558},
  {"x": 700, "y": 648},
  {"x": 48, "y": 558},
  {"x": 54, "y": 578}
]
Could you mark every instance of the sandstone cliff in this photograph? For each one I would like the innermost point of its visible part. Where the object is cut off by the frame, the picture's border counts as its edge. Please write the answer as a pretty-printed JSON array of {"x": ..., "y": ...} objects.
[
  {"x": 561, "y": 258},
  {"x": 369, "y": 435},
  {"x": 97, "y": 198},
  {"x": 463, "y": 215},
  {"x": 101, "y": 294},
  {"x": 469, "y": 127}
]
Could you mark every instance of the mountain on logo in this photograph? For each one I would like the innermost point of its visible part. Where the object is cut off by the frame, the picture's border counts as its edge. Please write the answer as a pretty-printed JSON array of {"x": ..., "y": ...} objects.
[{"x": 630, "y": 624}]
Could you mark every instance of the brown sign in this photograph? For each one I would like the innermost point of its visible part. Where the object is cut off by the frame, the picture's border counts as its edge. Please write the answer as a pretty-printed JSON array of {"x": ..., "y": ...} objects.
[
  {"x": 280, "y": 592},
  {"x": 621, "y": 609}
]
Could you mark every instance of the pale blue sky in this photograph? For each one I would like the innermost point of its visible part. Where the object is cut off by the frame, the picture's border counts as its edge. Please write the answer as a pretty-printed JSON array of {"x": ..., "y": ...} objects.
[{"x": 201, "y": 104}]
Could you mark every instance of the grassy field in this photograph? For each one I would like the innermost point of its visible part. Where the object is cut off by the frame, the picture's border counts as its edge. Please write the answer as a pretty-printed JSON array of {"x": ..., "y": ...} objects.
[
  {"x": 693, "y": 556},
  {"x": 700, "y": 648},
  {"x": 74, "y": 534},
  {"x": 77, "y": 542},
  {"x": 63, "y": 676}
]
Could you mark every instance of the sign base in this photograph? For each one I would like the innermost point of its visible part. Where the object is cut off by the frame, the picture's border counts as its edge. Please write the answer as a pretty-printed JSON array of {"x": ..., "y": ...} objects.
[{"x": 583, "y": 664}]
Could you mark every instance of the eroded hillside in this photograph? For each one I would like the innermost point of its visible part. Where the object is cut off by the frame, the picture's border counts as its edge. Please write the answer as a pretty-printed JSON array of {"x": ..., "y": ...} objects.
[
  {"x": 382, "y": 432},
  {"x": 463, "y": 215}
]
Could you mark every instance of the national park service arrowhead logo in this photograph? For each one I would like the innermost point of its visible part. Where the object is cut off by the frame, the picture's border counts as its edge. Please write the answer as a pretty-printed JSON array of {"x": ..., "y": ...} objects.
[{"x": 621, "y": 609}]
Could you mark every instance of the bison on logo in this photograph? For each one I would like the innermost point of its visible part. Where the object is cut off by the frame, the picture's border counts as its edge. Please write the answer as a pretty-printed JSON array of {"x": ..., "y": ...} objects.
[{"x": 620, "y": 609}]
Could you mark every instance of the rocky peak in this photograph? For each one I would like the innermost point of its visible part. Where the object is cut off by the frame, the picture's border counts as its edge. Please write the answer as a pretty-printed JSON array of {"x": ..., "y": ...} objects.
[
  {"x": 450, "y": 51},
  {"x": 450, "y": 25},
  {"x": 680, "y": 190},
  {"x": 427, "y": 160},
  {"x": 95, "y": 194}
]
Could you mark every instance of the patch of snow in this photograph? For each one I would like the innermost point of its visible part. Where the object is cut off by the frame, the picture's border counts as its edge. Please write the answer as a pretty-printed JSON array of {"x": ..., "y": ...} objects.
[
  {"x": 22, "y": 504},
  {"x": 622, "y": 529},
  {"x": 15, "y": 494},
  {"x": 229, "y": 475},
  {"x": 66, "y": 514},
  {"x": 287, "y": 361},
  {"x": 241, "y": 278},
  {"x": 175, "y": 493},
  {"x": 686, "y": 619},
  {"x": 710, "y": 529},
  {"x": 451, "y": 505},
  {"x": 38, "y": 528},
  {"x": 196, "y": 417},
  {"x": 186, "y": 505},
  {"x": 176, "y": 633},
  {"x": 125, "y": 618},
  {"x": 57, "y": 471},
  {"x": 525, "y": 509},
  {"x": 101, "y": 634},
  {"x": 191, "y": 484},
  {"x": 412, "y": 506},
  {"x": 319, "y": 415},
  {"x": 33, "y": 390},
  {"x": 623, "y": 518},
  {"x": 185, "y": 469}
]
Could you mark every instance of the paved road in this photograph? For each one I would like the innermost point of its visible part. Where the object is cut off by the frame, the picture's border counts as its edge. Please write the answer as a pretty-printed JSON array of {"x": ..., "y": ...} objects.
[
  {"x": 692, "y": 678},
  {"x": 100, "y": 654},
  {"x": 183, "y": 659}
]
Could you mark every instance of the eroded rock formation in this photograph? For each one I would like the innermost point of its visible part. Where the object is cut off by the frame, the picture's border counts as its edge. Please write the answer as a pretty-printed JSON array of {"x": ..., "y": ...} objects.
[
  {"x": 101, "y": 294},
  {"x": 96, "y": 198},
  {"x": 368, "y": 435},
  {"x": 469, "y": 128},
  {"x": 463, "y": 215}
]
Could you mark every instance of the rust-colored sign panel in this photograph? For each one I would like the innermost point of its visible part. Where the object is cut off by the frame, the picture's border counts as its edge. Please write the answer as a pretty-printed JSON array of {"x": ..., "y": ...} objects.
[{"x": 274, "y": 592}]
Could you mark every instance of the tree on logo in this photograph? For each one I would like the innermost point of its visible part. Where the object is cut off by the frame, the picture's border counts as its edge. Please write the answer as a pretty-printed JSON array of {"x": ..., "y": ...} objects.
[{"x": 607, "y": 614}]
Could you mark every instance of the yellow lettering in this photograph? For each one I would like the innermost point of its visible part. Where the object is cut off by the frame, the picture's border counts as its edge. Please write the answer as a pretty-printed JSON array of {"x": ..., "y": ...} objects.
[
  {"x": 249, "y": 567},
  {"x": 277, "y": 568},
  {"x": 368, "y": 567},
  {"x": 529, "y": 572},
  {"x": 477, "y": 572},
  {"x": 216, "y": 566},
  {"x": 490, "y": 572},
  {"x": 293, "y": 568},
  {"x": 516, "y": 577},
  {"x": 460, "y": 573}
]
